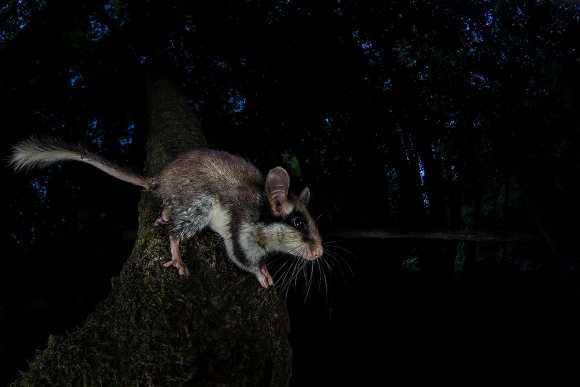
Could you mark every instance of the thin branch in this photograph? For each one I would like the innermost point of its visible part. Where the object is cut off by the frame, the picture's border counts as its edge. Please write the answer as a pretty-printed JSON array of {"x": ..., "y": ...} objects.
[{"x": 462, "y": 235}]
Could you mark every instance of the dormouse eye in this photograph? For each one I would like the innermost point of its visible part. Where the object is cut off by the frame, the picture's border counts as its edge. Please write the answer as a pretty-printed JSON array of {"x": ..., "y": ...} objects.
[{"x": 298, "y": 222}]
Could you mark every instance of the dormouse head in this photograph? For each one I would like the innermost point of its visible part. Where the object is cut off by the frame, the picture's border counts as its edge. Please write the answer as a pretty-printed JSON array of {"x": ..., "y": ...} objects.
[{"x": 293, "y": 230}]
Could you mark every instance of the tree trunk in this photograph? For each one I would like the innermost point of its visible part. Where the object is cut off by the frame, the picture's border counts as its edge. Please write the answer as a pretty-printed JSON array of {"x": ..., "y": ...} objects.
[{"x": 217, "y": 327}]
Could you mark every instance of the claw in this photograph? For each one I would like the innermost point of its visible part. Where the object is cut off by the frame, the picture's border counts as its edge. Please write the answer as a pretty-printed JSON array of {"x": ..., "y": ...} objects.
[
  {"x": 179, "y": 265},
  {"x": 176, "y": 260}
]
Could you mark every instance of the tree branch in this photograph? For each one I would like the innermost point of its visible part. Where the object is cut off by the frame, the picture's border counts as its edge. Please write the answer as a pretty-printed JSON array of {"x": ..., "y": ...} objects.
[{"x": 462, "y": 235}]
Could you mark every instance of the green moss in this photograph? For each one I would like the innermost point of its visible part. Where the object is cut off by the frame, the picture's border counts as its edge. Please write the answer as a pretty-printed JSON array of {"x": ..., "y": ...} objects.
[{"x": 156, "y": 328}]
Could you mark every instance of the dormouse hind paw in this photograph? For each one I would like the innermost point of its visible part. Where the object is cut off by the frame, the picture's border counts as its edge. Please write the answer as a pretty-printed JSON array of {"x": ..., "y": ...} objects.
[
  {"x": 179, "y": 265},
  {"x": 159, "y": 222},
  {"x": 163, "y": 218}
]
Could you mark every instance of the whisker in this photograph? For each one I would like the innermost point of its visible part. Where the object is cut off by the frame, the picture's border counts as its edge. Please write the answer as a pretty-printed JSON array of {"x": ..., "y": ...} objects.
[
  {"x": 340, "y": 260},
  {"x": 296, "y": 275},
  {"x": 281, "y": 268},
  {"x": 307, "y": 287},
  {"x": 286, "y": 278},
  {"x": 343, "y": 249}
]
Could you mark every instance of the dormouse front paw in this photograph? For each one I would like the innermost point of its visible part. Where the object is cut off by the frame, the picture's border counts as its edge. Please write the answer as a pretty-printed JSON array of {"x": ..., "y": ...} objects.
[{"x": 264, "y": 277}]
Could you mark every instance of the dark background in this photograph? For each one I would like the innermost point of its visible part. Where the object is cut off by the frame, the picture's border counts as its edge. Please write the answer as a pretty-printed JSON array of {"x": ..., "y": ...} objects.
[{"x": 409, "y": 116}]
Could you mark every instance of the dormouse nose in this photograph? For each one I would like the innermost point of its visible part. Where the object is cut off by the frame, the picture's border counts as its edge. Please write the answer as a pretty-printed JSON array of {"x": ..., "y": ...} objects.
[{"x": 317, "y": 251}]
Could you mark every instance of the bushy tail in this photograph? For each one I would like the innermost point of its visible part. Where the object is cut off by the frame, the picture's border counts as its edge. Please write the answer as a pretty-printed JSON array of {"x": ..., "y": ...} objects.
[{"x": 40, "y": 153}]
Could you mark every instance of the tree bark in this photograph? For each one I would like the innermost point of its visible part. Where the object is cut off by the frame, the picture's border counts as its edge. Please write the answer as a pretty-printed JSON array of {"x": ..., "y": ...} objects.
[{"x": 217, "y": 327}]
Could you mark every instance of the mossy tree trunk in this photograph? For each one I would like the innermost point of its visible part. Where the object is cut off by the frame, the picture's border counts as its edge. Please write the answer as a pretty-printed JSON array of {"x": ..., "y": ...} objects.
[{"x": 217, "y": 327}]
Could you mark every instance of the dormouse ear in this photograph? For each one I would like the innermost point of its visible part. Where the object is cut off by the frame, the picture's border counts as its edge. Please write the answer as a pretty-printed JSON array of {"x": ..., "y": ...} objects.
[
  {"x": 304, "y": 196},
  {"x": 277, "y": 183}
]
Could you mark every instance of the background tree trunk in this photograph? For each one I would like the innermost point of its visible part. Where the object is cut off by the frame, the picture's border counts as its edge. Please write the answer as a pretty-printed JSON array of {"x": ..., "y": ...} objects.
[{"x": 218, "y": 327}]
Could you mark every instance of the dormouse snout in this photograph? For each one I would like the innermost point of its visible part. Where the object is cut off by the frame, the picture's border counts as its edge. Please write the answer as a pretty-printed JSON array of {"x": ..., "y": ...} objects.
[{"x": 316, "y": 252}]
